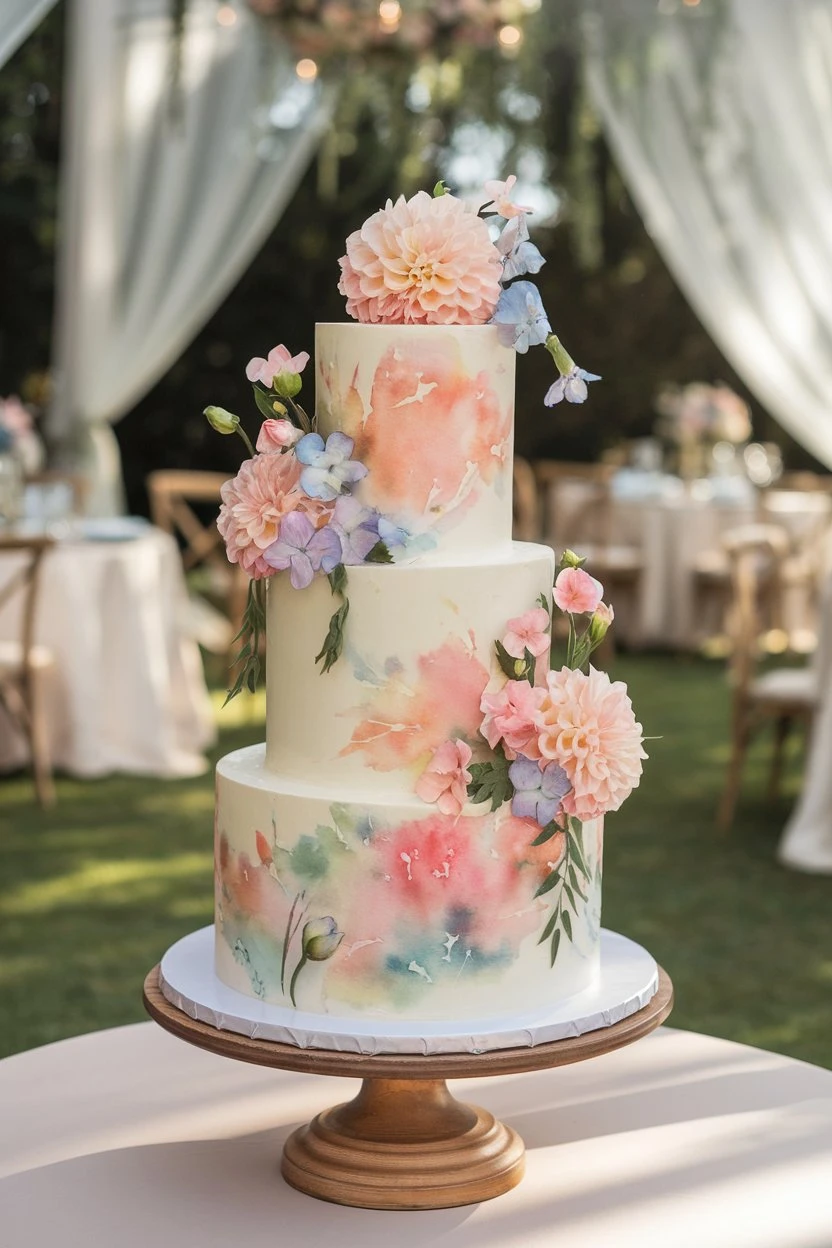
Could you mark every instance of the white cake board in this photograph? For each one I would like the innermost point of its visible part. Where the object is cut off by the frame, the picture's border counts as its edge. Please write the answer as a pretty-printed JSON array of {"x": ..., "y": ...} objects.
[{"x": 628, "y": 979}]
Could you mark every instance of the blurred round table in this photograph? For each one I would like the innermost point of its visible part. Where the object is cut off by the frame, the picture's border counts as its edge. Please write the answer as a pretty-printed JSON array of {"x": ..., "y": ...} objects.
[
  {"x": 132, "y": 1137},
  {"x": 127, "y": 691}
]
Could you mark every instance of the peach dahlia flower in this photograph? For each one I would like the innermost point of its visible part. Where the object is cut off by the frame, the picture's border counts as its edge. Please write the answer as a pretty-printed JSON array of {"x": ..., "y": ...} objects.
[
  {"x": 426, "y": 260},
  {"x": 586, "y": 723}
]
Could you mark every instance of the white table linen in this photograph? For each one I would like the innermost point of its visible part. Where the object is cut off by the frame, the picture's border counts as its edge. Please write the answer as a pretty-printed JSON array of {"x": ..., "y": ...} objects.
[
  {"x": 806, "y": 843},
  {"x": 127, "y": 692},
  {"x": 132, "y": 1137},
  {"x": 673, "y": 526}
]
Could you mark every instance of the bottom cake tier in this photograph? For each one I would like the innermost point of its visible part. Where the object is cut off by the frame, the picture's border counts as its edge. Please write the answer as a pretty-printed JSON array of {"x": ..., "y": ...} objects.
[{"x": 388, "y": 909}]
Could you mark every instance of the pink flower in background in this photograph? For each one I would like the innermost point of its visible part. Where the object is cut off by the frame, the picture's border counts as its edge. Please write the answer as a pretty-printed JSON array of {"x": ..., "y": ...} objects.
[
  {"x": 586, "y": 723},
  {"x": 445, "y": 779},
  {"x": 253, "y": 504},
  {"x": 426, "y": 260},
  {"x": 500, "y": 200},
  {"x": 510, "y": 718},
  {"x": 278, "y": 361},
  {"x": 577, "y": 592},
  {"x": 528, "y": 632},
  {"x": 276, "y": 435}
]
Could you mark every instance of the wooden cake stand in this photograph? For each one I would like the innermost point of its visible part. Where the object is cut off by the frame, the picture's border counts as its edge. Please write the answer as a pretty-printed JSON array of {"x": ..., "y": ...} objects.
[{"x": 405, "y": 1142}]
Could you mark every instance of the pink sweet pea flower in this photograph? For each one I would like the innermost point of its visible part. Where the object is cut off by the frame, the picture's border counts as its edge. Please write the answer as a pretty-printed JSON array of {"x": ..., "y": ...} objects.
[
  {"x": 510, "y": 717},
  {"x": 577, "y": 592},
  {"x": 278, "y": 361},
  {"x": 445, "y": 780},
  {"x": 500, "y": 200},
  {"x": 528, "y": 632},
  {"x": 276, "y": 435}
]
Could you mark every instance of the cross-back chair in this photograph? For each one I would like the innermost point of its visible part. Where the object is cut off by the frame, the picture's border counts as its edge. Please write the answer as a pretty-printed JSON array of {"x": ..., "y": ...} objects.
[
  {"x": 23, "y": 663},
  {"x": 756, "y": 555},
  {"x": 179, "y": 502}
]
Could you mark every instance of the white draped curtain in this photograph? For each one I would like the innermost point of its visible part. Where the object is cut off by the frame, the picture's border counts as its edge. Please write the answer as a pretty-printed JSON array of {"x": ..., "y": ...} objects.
[
  {"x": 18, "y": 18},
  {"x": 720, "y": 118},
  {"x": 179, "y": 157}
]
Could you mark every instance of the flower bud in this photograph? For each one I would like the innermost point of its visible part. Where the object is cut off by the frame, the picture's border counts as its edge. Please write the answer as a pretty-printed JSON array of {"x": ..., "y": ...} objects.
[
  {"x": 279, "y": 408},
  {"x": 221, "y": 420},
  {"x": 602, "y": 617},
  {"x": 276, "y": 436},
  {"x": 320, "y": 939},
  {"x": 287, "y": 385},
  {"x": 570, "y": 560}
]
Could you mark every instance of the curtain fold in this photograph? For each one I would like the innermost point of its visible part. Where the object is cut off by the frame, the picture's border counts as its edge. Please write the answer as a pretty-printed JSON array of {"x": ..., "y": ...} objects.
[
  {"x": 720, "y": 118},
  {"x": 18, "y": 18},
  {"x": 179, "y": 158}
]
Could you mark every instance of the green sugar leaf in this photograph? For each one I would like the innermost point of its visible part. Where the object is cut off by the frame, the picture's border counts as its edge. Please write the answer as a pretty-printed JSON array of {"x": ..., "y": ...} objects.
[
  {"x": 330, "y": 651},
  {"x": 548, "y": 884},
  {"x": 549, "y": 928},
  {"x": 567, "y": 923},
  {"x": 548, "y": 832},
  {"x": 490, "y": 781},
  {"x": 555, "y": 946},
  {"x": 265, "y": 403},
  {"x": 379, "y": 554}
]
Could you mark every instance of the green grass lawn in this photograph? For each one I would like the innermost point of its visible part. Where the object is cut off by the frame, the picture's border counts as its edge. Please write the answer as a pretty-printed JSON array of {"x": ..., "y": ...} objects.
[{"x": 94, "y": 891}]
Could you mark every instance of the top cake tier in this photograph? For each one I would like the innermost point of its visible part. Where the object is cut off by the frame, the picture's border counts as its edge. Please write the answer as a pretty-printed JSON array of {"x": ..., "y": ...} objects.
[{"x": 431, "y": 409}]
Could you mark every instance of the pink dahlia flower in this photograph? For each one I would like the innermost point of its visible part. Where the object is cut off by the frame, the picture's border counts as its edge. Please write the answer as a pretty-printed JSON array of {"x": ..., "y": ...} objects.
[
  {"x": 586, "y": 723},
  {"x": 423, "y": 260},
  {"x": 445, "y": 780},
  {"x": 510, "y": 718},
  {"x": 264, "y": 491},
  {"x": 528, "y": 632},
  {"x": 577, "y": 592}
]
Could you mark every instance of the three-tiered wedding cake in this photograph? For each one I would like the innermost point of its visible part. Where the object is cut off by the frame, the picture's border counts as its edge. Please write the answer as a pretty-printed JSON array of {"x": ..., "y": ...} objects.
[{"x": 419, "y": 839}]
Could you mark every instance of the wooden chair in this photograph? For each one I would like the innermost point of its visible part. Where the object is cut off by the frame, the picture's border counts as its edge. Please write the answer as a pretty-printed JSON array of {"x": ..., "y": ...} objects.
[
  {"x": 577, "y": 509},
  {"x": 526, "y": 510},
  {"x": 216, "y": 605},
  {"x": 755, "y": 555},
  {"x": 23, "y": 663}
]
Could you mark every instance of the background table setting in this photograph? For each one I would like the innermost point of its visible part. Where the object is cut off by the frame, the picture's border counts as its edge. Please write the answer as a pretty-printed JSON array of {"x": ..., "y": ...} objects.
[{"x": 124, "y": 689}]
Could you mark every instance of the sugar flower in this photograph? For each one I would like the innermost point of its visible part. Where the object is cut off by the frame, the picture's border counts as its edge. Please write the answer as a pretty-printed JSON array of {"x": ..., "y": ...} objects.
[
  {"x": 329, "y": 469},
  {"x": 509, "y": 716},
  {"x": 357, "y": 527},
  {"x": 538, "y": 790},
  {"x": 392, "y": 534},
  {"x": 303, "y": 549},
  {"x": 521, "y": 318},
  {"x": 266, "y": 489},
  {"x": 276, "y": 435},
  {"x": 423, "y": 260},
  {"x": 571, "y": 386},
  {"x": 500, "y": 200},
  {"x": 528, "y": 632},
  {"x": 277, "y": 362},
  {"x": 445, "y": 780},
  {"x": 586, "y": 723},
  {"x": 577, "y": 592},
  {"x": 519, "y": 254}
]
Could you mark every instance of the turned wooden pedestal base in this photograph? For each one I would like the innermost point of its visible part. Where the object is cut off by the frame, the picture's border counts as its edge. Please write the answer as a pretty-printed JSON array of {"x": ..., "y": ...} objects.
[{"x": 404, "y": 1142}]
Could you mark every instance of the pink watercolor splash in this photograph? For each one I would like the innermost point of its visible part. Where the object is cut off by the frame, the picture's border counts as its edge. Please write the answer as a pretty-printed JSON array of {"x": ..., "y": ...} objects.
[{"x": 404, "y": 724}]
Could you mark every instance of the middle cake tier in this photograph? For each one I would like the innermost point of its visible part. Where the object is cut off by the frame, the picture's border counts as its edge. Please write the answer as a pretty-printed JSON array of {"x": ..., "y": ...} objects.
[{"x": 419, "y": 651}]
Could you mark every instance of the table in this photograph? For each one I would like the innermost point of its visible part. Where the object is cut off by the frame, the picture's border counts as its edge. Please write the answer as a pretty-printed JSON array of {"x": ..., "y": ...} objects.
[
  {"x": 127, "y": 692},
  {"x": 806, "y": 843},
  {"x": 134, "y": 1138},
  {"x": 677, "y": 528}
]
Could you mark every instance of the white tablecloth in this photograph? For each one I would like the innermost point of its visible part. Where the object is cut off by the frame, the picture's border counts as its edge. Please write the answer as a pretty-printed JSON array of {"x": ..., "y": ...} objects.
[
  {"x": 806, "y": 843},
  {"x": 133, "y": 1138},
  {"x": 673, "y": 526},
  {"x": 127, "y": 692}
]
